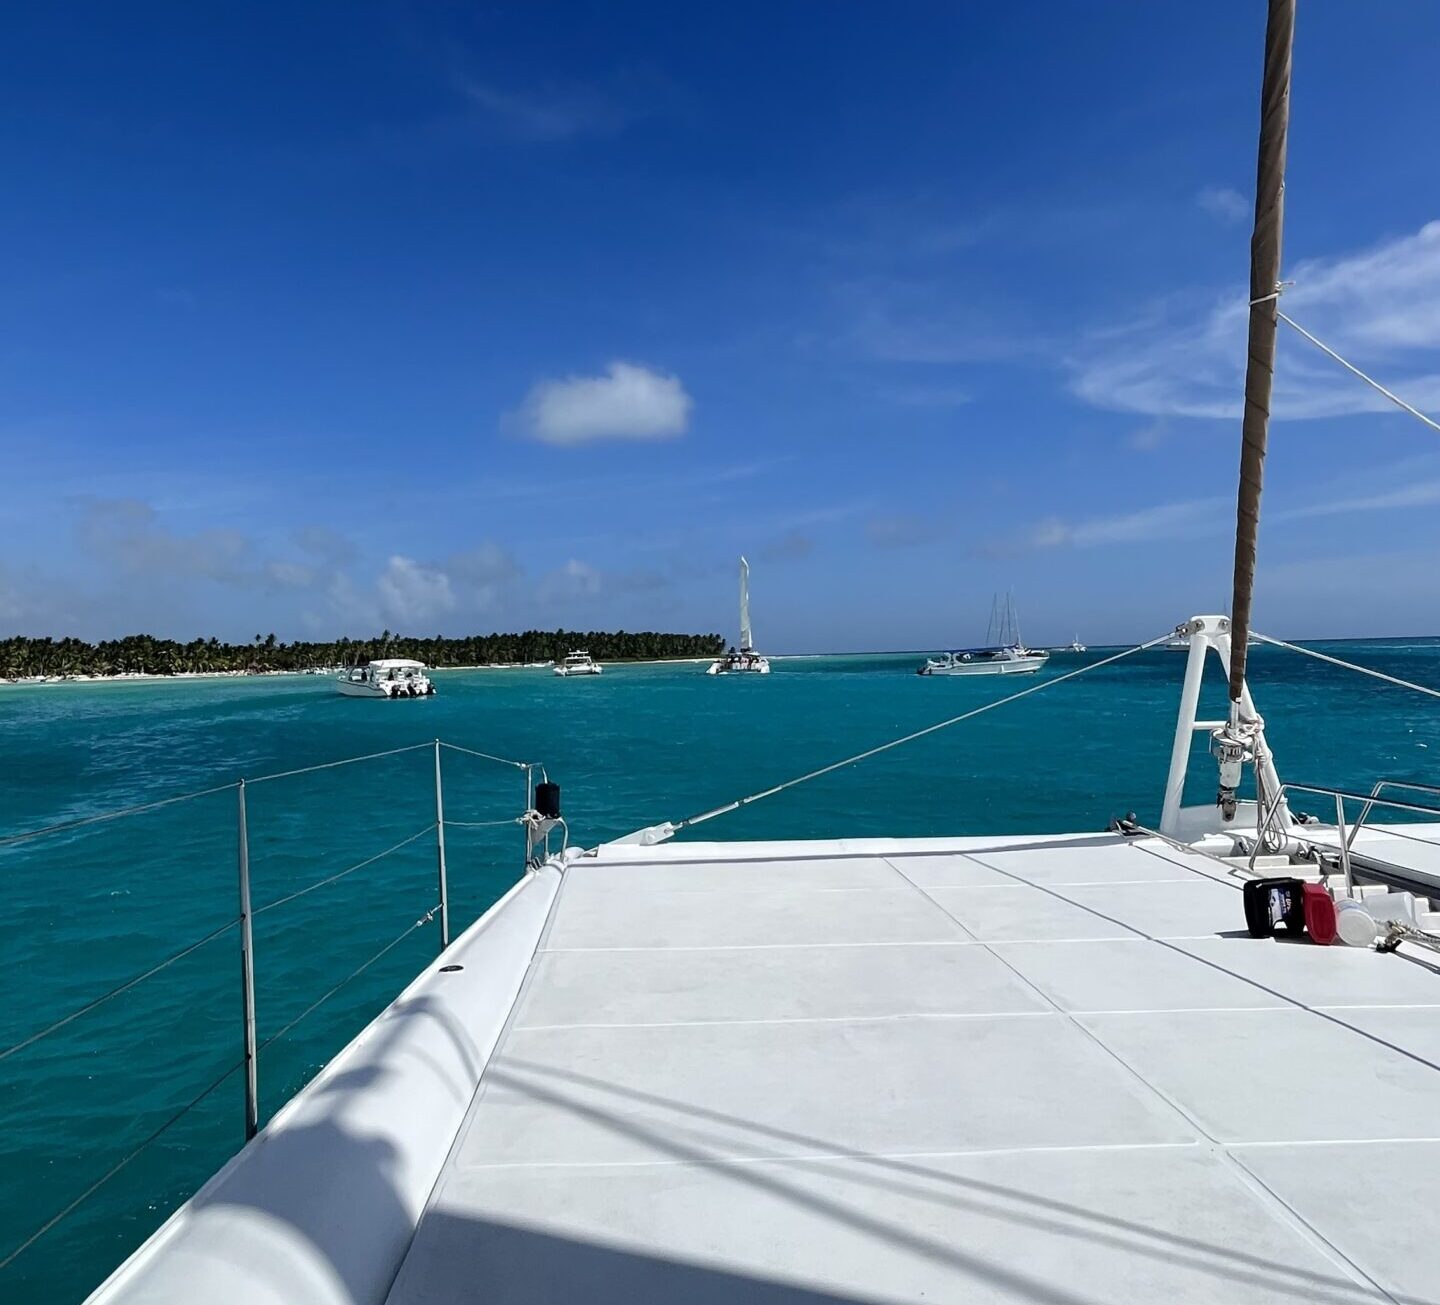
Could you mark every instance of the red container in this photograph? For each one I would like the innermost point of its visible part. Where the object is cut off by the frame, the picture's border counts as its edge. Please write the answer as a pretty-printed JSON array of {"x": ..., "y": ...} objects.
[{"x": 1319, "y": 915}]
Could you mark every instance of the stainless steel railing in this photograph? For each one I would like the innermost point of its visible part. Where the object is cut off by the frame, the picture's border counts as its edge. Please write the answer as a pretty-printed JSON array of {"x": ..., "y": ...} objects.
[
  {"x": 1345, "y": 841},
  {"x": 244, "y": 919}
]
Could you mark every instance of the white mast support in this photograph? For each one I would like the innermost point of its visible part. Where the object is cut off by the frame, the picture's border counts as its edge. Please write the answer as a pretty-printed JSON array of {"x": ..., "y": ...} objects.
[
  {"x": 747, "y": 641},
  {"x": 1184, "y": 728},
  {"x": 1207, "y": 632}
]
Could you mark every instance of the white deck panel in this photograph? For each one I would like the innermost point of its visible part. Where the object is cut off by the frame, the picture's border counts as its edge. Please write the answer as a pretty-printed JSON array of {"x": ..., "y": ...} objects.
[{"x": 1020, "y": 1070}]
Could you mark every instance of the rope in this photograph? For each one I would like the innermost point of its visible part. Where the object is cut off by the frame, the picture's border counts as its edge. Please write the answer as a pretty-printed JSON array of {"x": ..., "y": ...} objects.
[
  {"x": 354, "y": 974},
  {"x": 64, "y": 825},
  {"x": 348, "y": 761},
  {"x": 471, "y": 752},
  {"x": 483, "y": 824},
  {"x": 918, "y": 734},
  {"x": 115, "y": 1169},
  {"x": 1354, "y": 370},
  {"x": 1349, "y": 666},
  {"x": 359, "y": 865},
  {"x": 117, "y": 990}
]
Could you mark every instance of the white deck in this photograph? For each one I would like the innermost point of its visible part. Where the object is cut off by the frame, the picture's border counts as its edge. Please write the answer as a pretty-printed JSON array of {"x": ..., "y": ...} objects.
[{"x": 979, "y": 1070}]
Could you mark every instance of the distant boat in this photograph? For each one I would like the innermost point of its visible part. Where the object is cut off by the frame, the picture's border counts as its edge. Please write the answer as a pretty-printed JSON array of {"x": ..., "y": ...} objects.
[
  {"x": 746, "y": 660},
  {"x": 1004, "y": 652},
  {"x": 1075, "y": 646},
  {"x": 389, "y": 677},
  {"x": 579, "y": 663}
]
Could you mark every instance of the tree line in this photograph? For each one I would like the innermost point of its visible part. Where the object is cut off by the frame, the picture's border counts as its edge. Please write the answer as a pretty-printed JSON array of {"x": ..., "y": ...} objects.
[{"x": 142, "y": 653}]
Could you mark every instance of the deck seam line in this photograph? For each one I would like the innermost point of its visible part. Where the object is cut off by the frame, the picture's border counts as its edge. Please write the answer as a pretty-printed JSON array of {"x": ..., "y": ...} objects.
[
  {"x": 972, "y": 941},
  {"x": 1282, "y": 1210},
  {"x": 897, "y": 1016},
  {"x": 793, "y": 1157}
]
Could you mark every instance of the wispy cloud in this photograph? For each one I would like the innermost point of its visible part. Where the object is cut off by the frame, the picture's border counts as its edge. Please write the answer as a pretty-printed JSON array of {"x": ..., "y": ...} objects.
[
  {"x": 1149, "y": 437},
  {"x": 548, "y": 112},
  {"x": 1380, "y": 307},
  {"x": 1224, "y": 203},
  {"x": 629, "y": 402},
  {"x": 902, "y": 530},
  {"x": 1214, "y": 515},
  {"x": 790, "y": 547},
  {"x": 910, "y": 321}
]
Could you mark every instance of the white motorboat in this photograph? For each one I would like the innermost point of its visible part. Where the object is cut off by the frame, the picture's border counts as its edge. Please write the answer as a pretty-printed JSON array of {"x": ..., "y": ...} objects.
[
  {"x": 985, "y": 661},
  {"x": 1003, "y": 653},
  {"x": 1075, "y": 646},
  {"x": 578, "y": 663},
  {"x": 387, "y": 677},
  {"x": 744, "y": 660}
]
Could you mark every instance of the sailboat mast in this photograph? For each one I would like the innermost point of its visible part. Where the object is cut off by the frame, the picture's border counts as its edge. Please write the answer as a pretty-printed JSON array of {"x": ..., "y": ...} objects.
[
  {"x": 1264, "y": 288},
  {"x": 746, "y": 640}
]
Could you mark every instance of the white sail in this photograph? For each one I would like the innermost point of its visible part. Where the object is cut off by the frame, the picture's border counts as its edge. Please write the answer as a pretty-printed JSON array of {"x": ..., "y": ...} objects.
[{"x": 746, "y": 641}]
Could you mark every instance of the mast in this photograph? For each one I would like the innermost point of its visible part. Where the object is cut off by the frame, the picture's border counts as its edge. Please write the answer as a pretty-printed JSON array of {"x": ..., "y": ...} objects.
[
  {"x": 746, "y": 642},
  {"x": 1264, "y": 287}
]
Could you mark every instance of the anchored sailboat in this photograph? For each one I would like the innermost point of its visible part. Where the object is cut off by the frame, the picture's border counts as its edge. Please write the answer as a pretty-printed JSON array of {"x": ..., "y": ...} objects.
[
  {"x": 1003, "y": 653},
  {"x": 745, "y": 659}
]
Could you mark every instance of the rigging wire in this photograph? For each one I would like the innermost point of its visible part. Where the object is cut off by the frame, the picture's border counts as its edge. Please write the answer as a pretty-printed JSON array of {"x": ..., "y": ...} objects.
[
  {"x": 1349, "y": 666},
  {"x": 910, "y": 738},
  {"x": 1354, "y": 370}
]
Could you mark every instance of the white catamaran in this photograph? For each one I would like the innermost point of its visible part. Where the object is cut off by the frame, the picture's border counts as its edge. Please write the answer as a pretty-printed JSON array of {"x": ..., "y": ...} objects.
[
  {"x": 1003, "y": 653},
  {"x": 386, "y": 677},
  {"x": 1058, "y": 1068},
  {"x": 745, "y": 660}
]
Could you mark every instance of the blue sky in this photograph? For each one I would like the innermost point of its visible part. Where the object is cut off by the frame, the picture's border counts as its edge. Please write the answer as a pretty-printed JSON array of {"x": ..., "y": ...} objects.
[{"x": 452, "y": 318}]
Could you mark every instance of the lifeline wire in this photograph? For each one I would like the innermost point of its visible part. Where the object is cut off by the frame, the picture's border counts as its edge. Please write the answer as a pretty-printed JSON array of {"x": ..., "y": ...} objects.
[
  {"x": 918, "y": 734},
  {"x": 349, "y": 870},
  {"x": 471, "y": 752},
  {"x": 115, "y": 1168},
  {"x": 354, "y": 974},
  {"x": 111, "y": 815},
  {"x": 347, "y": 761},
  {"x": 118, "y": 989}
]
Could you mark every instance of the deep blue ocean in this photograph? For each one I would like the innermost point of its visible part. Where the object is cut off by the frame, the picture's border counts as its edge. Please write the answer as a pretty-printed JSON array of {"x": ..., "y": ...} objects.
[{"x": 86, "y": 910}]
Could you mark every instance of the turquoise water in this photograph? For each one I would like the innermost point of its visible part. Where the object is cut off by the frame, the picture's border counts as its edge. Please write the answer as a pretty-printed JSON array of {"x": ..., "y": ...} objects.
[{"x": 86, "y": 910}]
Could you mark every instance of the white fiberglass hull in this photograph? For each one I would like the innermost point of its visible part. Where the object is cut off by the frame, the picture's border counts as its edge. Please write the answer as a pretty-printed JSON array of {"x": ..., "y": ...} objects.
[
  {"x": 364, "y": 689},
  {"x": 1016, "y": 666},
  {"x": 568, "y": 671},
  {"x": 739, "y": 666}
]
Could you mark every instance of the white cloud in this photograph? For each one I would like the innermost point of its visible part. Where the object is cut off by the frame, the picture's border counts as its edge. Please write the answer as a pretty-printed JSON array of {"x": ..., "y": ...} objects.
[
  {"x": 629, "y": 402},
  {"x": 572, "y": 581},
  {"x": 411, "y": 591},
  {"x": 1380, "y": 308},
  {"x": 1224, "y": 203},
  {"x": 128, "y": 533}
]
